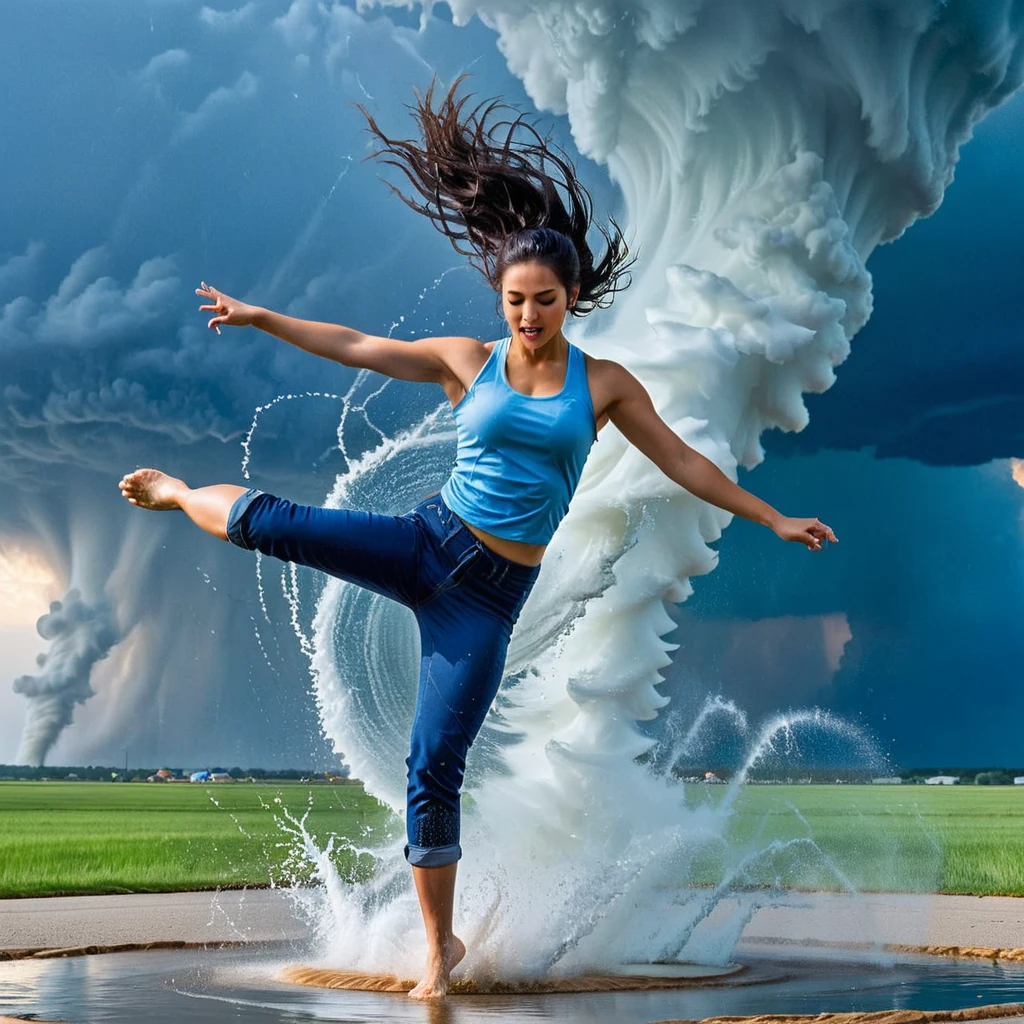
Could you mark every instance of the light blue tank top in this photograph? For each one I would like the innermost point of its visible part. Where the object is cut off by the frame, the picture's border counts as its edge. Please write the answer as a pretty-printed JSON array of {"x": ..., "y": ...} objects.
[{"x": 519, "y": 458}]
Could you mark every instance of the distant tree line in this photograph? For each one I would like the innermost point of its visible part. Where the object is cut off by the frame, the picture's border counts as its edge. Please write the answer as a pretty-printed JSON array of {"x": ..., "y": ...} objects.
[
  {"x": 968, "y": 776},
  {"x": 818, "y": 776},
  {"x": 801, "y": 775},
  {"x": 107, "y": 773}
]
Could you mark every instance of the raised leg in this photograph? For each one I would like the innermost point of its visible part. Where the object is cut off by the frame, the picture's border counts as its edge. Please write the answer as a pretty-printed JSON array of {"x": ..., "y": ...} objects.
[
  {"x": 435, "y": 888},
  {"x": 207, "y": 507}
]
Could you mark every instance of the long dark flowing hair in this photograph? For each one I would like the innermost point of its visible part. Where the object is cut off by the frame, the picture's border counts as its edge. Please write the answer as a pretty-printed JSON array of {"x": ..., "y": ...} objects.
[{"x": 504, "y": 194}]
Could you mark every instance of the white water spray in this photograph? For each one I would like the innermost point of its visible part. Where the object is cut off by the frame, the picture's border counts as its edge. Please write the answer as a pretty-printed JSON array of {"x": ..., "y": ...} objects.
[{"x": 763, "y": 150}]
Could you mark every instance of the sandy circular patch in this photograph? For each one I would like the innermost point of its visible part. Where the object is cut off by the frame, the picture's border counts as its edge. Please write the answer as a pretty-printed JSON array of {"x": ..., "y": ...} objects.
[{"x": 630, "y": 978}]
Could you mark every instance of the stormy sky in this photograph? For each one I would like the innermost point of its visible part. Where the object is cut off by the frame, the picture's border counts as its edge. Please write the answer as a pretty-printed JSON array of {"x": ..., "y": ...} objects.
[{"x": 153, "y": 144}]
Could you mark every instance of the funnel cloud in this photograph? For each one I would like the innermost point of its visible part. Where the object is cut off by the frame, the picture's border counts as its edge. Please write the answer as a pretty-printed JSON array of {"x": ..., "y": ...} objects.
[{"x": 80, "y": 634}]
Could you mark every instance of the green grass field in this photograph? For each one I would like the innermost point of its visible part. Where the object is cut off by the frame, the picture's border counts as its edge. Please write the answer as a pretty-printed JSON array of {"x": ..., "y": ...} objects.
[
  {"x": 63, "y": 838},
  {"x": 951, "y": 839},
  {"x": 85, "y": 837}
]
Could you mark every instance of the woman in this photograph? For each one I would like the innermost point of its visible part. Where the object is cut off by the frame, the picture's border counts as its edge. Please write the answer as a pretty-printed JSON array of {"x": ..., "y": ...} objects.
[{"x": 527, "y": 410}]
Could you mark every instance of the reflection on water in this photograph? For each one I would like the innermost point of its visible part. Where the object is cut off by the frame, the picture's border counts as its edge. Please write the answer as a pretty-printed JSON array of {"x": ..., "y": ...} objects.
[{"x": 207, "y": 987}]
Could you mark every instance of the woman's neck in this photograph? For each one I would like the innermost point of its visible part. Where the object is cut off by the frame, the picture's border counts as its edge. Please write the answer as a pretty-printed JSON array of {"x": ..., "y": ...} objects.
[{"x": 554, "y": 351}]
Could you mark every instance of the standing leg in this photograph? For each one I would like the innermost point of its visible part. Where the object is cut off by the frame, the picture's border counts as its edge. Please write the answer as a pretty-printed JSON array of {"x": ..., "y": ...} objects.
[
  {"x": 435, "y": 888},
  {"x": 207, "y": 507},
  {"x": 463, "y": 656}
]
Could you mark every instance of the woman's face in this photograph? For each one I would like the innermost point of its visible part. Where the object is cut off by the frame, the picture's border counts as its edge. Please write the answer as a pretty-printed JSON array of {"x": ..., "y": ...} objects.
[{"x": 534, "y": 302}]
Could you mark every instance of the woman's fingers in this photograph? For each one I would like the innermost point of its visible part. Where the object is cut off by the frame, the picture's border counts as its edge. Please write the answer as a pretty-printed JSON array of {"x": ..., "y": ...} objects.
[
  {"x": 217, "y": 306},
  {"x": 823, "y": 532},
  {"x": 818, "y": 533},
  {"x": 812, "y": 533}
]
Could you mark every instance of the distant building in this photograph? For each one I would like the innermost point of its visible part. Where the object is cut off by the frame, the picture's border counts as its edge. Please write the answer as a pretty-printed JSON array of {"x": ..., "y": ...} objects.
[
  {"x": 199, "y": 777},
  {"x": 1018, "y": 780},
  {"x": 165, "y": 773},
  {"x": 893, "y": 781},
  {"x": 943, "y": 780},
  {"x": 220, "y": 777}
]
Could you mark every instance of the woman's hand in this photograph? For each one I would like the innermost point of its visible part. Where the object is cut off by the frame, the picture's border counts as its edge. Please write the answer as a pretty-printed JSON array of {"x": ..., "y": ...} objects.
[
  {"x": 229, "y": 311},
  {"x": 811, "y": 532}
]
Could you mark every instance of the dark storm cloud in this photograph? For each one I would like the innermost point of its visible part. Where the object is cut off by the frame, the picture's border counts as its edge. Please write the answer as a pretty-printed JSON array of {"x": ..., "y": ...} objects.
[
  {"x": 929, "y": 578},
  {"x": 251, "y": 180},
  {"x": 160, "y": 144},
  {"x": 937, "y": 374}
]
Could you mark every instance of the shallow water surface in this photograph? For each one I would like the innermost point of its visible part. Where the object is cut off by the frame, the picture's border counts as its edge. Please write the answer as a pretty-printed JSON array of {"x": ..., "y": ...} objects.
[{"x": 226, "y": 985}]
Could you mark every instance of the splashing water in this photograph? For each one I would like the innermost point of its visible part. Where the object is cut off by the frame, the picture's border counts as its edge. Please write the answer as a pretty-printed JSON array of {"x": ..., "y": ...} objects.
[
  {"x": 763, "y": 150},
  {"x": 261, "y": 409},
  {"x": 697, "y": 738}
]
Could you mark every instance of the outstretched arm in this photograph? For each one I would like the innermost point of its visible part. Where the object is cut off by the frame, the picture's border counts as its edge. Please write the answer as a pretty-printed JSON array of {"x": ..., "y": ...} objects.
[
  {"x": 428, "y": 360},
  {"x": 631, "y": 410}
]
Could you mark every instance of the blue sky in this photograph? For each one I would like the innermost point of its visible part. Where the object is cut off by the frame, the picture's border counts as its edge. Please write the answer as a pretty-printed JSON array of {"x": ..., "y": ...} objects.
[{"x": 159, "y": 143}]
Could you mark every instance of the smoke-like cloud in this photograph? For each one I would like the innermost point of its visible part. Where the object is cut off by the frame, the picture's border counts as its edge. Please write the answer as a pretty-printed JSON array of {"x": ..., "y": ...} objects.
[
  {"x": 169, "y": 60},
  {"x": 90, "y": 307},
  {"x": 80, "y": 634},
  {"x": 221, "y": 100},
  {"x": 225, "y": 21},
  {"x": 17, "y": 271},
  {"x": 298, "y": 25}
]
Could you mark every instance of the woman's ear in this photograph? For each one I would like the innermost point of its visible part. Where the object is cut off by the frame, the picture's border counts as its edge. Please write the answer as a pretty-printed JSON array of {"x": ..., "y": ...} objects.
[{"x": 574, "y": 294}]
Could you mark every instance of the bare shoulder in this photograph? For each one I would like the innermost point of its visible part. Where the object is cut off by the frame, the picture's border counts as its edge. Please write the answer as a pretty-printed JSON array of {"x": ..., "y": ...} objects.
[
  {"x": 463, "y": 354},
  {"x": 609, "y": 383},
  {"x": 608, "y": 373}
]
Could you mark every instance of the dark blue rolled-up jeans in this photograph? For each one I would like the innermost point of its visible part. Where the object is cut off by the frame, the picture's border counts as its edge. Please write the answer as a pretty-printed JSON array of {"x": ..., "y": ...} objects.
[{"x": 466, "y": 599}]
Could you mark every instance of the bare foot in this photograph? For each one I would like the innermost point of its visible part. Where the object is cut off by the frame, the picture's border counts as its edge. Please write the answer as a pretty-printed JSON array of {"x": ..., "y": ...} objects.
[
  {"x": 440, "y": 964},
  {"x": 149, "y": 488}
]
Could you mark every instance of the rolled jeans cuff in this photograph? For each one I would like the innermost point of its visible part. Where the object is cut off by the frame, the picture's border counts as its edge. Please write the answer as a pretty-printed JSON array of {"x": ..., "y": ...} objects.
[
  {"x": 238, "y": 510},
  {"x": 433, "y": 856}
]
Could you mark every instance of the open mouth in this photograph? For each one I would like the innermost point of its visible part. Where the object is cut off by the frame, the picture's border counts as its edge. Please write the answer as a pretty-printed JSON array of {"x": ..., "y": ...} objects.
[{"x": 532, "y": 333}]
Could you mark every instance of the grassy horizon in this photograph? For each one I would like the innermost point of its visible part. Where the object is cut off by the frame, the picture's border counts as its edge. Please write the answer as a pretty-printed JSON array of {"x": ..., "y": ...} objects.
[{"x": 70, "y": 838}]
